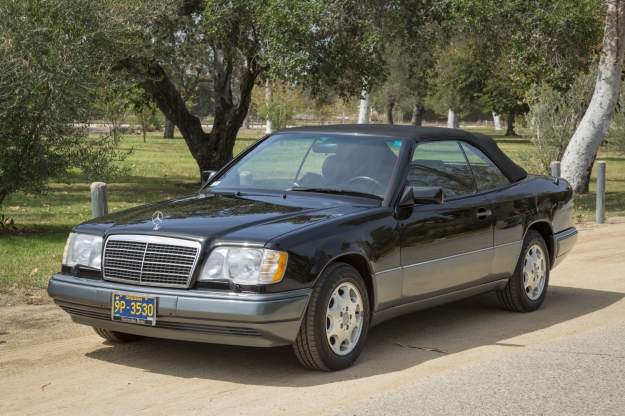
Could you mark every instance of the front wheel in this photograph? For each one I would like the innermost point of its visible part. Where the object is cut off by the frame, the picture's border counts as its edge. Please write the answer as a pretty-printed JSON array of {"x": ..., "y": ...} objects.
[
  {"x": 336, "y": 323},
  {"x": 527, "y": 288}
]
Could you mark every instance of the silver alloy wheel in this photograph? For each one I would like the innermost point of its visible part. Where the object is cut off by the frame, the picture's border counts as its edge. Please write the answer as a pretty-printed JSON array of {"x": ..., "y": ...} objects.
[
  {"x": 344, "y": 318},
  {"x": 534, "y": 272}
]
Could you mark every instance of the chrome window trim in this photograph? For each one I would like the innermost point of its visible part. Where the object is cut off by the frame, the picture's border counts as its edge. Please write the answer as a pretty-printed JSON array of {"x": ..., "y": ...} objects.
[{"x": 152, "y": 239}]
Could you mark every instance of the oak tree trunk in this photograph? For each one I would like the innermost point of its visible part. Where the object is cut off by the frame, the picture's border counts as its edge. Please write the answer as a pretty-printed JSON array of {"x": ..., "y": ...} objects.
[
  {"x": 581, "y": 152},
  {"x": 268, "y": 101},
  {"x": 452, "y": 120},
  {"x": 246, "y": 121},
  {"x": 497, "y": 120},
  {"x": 389, "y": 113},
  {"x": 365, "y": 108},
  {"x": 417, "y": 115},
  {"x": 510, "y": 130},
  {"x": 210, "y": 150},
  {"x": 169, "y": 129}
]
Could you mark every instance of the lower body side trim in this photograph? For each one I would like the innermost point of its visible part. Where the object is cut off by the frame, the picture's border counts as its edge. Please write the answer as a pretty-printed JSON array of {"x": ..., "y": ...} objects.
[{"x": 381, "y": 316}]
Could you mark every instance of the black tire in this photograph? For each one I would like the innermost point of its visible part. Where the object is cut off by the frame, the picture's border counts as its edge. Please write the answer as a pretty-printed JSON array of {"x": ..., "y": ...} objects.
[
  {"x": 312, "y": 347},
  {"x": 513, "y": 297},
  {"x": 115, "y": 336}
]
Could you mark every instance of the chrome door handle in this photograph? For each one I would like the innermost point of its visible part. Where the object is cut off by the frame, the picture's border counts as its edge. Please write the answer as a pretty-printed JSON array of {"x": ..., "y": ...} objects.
[{"x": 485, "y": 213}]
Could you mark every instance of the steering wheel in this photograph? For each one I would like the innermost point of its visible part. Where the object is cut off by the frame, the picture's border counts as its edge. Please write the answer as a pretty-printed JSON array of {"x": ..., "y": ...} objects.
[{"x": 361, "y": 178}]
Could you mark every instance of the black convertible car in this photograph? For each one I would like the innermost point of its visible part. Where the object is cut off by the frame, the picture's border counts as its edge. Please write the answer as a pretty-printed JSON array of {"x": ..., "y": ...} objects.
[{"x": 313, "y": 235}]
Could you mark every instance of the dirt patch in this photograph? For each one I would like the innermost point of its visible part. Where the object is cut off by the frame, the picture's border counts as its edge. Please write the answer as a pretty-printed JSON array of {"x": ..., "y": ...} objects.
[{"x": 20, "y": 296}]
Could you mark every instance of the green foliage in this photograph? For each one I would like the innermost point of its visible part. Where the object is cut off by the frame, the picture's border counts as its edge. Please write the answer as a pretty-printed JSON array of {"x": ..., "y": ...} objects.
[
  {"x": 543, "y": 40},
  {"x": 57, "y": 61},
  {"x": 455, "y": 81},
  {"x": 552, "y": 120},
  {"x": 502, "y": 48},
  {"x": 614, "y": 139},
  {"x": 279, "y": 111}
]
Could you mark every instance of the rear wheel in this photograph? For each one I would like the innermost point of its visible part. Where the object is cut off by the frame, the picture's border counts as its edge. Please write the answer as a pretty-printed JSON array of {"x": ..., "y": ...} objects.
[
  {"x": 527, "y": 288},
  {"x": 336, "y": 323},
  {"x": 115, "y": 336}
]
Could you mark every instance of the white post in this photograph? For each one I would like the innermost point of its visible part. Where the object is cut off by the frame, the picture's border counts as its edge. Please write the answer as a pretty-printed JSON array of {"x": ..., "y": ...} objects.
[
  {"x": 268, "y": 101},
  {"x": 99, "y": 200},
  {"x": 452, "y": 120},
  {"x": 497, "y": 120},
  {"x": 555, "y": 169},
  {"x": 365, "y": 108},
  {"x": 600, "y": 192}
]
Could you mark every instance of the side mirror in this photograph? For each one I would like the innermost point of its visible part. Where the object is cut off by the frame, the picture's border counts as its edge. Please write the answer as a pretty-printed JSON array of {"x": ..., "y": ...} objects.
[
  {"x": 421, "y": 195},
  {"x": 207, "y": 174}
]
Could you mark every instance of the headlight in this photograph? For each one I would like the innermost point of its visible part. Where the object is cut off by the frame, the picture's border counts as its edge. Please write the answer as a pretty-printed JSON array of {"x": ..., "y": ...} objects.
[
  {"x": 83, "y": 249},
  {"x": 248, "y": 266}
]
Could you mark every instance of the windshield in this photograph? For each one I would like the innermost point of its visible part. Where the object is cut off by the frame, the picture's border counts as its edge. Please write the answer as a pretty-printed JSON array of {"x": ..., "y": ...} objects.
[{"x": 316, "y": 163}]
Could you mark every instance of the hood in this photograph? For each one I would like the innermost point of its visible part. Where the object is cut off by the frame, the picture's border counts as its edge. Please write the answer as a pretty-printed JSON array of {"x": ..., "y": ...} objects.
[{"x": 227, "y": 217}]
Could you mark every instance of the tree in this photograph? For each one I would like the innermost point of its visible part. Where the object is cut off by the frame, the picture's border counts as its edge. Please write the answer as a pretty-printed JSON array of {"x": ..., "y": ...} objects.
[
  {"x": 393, "y": 92},
  {"x": 581, "y": 152},
  {"x": 415, "y": 33},
  {"x": 449, "y": 93},
  {"x": 552, "y": 119},
  {"x": 317, "y": 44},
  {"x": 409, "y": 67},
  {"x": 504, "y": 47},
  {"x": 56, "y": 62},
  {"x": 144, "y": 110},
  {"x": 188, "y": 63}
]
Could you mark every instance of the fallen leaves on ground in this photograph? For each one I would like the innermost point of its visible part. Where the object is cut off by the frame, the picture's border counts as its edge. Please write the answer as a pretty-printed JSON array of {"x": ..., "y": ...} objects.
[
  {"x": 423, "y": 348},
  {"x": 35, "y": 270},
  {"x": 34, "y": 299},
  {"x": 15, "y": 208}
]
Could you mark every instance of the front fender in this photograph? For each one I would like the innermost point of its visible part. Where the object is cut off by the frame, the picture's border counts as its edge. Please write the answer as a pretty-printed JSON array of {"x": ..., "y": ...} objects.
[{"x": 371, "y": 234}]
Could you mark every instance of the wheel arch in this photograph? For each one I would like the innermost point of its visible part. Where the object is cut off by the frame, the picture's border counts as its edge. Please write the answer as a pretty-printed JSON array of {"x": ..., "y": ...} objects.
[
  {"x": 545, "y": 229},
  {"x": 359, "y": 262}
]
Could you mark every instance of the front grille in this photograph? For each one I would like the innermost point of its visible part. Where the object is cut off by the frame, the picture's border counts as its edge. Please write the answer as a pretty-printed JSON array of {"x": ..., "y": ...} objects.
[{"x": 150, "y": 261}]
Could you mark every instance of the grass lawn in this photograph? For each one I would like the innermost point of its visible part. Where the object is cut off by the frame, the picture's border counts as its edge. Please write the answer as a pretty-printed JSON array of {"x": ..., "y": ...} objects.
[{"x": 163, "y": 169}]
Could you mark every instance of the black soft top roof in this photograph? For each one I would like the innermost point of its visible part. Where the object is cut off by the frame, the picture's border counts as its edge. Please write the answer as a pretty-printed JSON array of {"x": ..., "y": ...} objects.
[{"x": 484, "y": 143}]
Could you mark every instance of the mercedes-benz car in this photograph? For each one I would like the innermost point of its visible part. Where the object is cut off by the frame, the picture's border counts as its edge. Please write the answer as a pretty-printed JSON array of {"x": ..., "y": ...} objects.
[{"x": 313, "y": 235}]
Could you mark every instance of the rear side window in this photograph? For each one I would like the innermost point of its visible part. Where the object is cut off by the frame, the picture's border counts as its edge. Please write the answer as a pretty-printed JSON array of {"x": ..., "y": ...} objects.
[
  {"x": 487, "y": 174},
  {"x": 441, "y": 164}
]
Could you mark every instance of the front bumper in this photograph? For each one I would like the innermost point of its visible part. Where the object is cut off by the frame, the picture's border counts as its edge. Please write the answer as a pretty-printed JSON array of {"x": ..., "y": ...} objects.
[
  {"x": 261, "y": 320},
  {"x": 563, "y": 243}
]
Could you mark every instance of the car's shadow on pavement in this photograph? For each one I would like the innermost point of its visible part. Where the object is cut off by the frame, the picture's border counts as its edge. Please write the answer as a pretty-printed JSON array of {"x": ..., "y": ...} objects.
[{"x": 455, "y": 327}]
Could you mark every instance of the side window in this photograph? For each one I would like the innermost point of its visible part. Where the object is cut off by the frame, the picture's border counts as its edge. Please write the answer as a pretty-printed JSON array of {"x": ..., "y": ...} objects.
[
  {"x": 441, "y": 164},
  {"x": 487, "y": 174}
]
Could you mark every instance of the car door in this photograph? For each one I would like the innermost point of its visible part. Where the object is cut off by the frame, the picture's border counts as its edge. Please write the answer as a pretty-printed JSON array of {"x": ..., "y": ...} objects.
[
  {"x": 509, "y": 206},
  {"x": 444, "y": 247}
]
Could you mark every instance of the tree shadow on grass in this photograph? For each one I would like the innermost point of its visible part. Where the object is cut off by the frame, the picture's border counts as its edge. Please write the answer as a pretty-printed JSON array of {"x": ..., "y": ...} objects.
[{"x": 456, "y": 327}]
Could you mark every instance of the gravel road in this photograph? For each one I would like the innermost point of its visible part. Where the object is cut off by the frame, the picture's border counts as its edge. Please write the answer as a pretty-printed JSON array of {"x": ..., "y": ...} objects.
[{"x": 566, "y": 358}]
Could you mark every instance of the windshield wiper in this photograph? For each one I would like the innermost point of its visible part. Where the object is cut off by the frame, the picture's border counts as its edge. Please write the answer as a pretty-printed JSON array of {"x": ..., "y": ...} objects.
[{"x": 335, "y": 191}]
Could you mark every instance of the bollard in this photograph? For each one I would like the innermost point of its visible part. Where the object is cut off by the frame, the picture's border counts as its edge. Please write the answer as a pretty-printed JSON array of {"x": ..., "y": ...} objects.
[
  {"x": 99, "y": 200},
  {"x": 600, "y": 192},
  {"x": 555, "y": 169}
]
